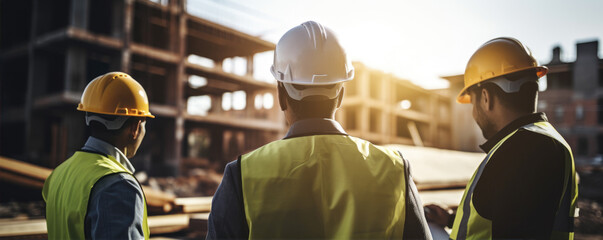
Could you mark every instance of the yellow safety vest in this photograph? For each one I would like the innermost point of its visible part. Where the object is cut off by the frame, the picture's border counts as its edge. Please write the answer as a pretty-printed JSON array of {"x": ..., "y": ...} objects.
[
  {"x": 468, "y": 224},
  {"x": 323, "y": 186},
  {"x": 67, "y": 191}
]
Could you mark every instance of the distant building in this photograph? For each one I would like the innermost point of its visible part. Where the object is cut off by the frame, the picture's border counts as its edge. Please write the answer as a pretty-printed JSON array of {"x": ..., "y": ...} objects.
[
  {"x": 466, "y": 135},
  {"x": 573, "y": 101},
  {"x": 206, "y": 115},
  {"x": 385, "y": 109}
]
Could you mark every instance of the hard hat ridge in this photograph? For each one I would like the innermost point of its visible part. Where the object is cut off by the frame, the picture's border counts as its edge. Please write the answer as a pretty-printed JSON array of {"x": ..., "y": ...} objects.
[{"x": 316, "y": 32}]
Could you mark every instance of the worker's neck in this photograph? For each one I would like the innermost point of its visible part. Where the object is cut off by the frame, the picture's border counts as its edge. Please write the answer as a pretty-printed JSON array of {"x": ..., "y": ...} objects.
[
  {"x": 116, "y": 142},
  {"x": 504, "y": 117},
  {"x": 292, "y": 118}
]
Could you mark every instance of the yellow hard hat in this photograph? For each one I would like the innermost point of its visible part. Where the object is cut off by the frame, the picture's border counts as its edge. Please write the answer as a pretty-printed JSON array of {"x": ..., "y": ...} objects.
[
  {"x": 498, "y": 57},
  {"x": 115, "y": 93}
]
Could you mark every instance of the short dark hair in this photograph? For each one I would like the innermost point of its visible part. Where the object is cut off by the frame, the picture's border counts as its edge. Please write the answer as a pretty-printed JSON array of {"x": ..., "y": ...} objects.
[
  {"x": 523, "y": 101},
  {"x": 311, "y": 106}
]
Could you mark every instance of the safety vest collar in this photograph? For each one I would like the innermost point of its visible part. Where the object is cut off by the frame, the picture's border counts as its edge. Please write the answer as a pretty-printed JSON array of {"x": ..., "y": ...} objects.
[
  {"x": 96, "y": 145},
  {"x": 514, "y": 125},
  {"x": 314, "y": 126}
]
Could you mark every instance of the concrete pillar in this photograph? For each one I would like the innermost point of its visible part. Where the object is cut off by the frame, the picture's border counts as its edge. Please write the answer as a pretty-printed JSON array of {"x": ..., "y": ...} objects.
[
  {"x": 126, "y": 34},
  {"x": 75, "y": 69},
  {"x": 78, "y": 16}
]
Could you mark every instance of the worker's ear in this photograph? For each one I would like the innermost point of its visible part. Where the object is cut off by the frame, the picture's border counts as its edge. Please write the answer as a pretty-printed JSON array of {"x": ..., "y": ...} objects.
[
  {"x": 340, "y": 97},
  {"x": 282, "y": 97},
  {"x": 135, "y": 129},
  {"x": 486, "y": 100}
]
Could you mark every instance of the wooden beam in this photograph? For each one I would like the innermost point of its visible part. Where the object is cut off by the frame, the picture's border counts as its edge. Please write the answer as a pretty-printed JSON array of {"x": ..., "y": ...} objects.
[
  {"x": 412, "y": 115},
  {"x": 34, "y": 228},
  {"x": 207, "y": 37},
  {"x": 23, "y": 229},
  {"x": 193, "y": 204},
  {"x": 168, "y": 223},
  {"x": 232, "y": 121},
  {"x": 25, "y": 169},
  {"x": 97, "y": 39},
  {"x": 414, "y": 134},
  {"x": 154, "y": 53},
  {"x": 163, "y": 110},
  {"x": 149, "y": 68},
  {"x": 21, "y": 180},
  {"x": 218, "y": 74}
]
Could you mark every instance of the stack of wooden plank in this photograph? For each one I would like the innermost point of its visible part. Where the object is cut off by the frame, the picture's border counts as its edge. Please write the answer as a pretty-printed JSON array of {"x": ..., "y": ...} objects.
[
  {"x": 32, "y": 176},
  {"x": 440, "y": 175},
  {"x": 171, "y": 214}
]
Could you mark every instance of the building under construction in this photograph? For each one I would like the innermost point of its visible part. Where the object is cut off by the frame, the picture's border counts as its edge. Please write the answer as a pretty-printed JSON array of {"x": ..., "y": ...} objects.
[
  {"x": 50, "y": 50},
  {"x": 386, "y": 109},
  {"x": 206, "y": 114}
]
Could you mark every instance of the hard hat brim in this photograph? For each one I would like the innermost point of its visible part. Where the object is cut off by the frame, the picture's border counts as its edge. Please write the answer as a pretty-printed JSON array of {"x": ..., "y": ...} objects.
[
  {"x": 147, "y": 114},
  {"x": 463, "y": 97}
]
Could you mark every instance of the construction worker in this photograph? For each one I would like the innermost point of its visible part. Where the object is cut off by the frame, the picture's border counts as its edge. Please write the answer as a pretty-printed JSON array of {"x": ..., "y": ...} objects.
[
  {"x": 317, "y": 182},
  {"x": 93, "y": 194},
  {"x": 526, "y": 186}
]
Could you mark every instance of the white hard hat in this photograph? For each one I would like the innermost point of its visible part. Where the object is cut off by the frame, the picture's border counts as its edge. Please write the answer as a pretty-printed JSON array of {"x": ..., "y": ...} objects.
[{"x": 310, "y": 55}]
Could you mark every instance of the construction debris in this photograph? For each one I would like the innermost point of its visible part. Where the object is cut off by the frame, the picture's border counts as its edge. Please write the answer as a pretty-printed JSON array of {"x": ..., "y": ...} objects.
[
  {"x": 36, "y": 228},
  {"x": 16, "y": 217}
]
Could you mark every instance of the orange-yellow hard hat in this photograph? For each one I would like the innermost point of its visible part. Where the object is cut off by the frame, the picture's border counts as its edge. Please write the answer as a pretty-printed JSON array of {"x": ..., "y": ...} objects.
[
  {"x": 498, "y": 57},
  {"x": 115, "y": 93}
]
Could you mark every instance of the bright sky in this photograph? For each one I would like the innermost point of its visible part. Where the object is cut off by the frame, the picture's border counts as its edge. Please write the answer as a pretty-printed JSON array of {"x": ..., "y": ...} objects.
[{"x": 418, "y": 40}]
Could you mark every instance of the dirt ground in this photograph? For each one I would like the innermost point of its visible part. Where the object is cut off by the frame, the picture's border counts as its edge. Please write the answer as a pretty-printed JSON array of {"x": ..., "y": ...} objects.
[{"x": 590, "y": 202}]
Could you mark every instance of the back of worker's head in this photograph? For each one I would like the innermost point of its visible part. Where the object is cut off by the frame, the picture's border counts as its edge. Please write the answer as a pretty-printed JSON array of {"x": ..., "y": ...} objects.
[
  {"x": 516, "y": 92},
  {"x": 116, "y": 107},
  {"x": 315, "y": 106},
  {"x": 311, "y": 66}
]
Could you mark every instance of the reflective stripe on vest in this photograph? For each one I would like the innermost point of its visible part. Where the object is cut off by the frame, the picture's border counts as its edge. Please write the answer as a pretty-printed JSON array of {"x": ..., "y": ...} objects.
[
  {"x": 67, "y": 191},
  {"x": 468, "y": 224},
  {"x": 323, "y": 186}
]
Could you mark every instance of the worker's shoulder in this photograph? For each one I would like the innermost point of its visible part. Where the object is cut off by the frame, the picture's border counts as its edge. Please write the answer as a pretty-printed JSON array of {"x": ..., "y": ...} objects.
[
  {"x": 328, "y": 140},
  {"x": 119, "y": 180},
  {"x": 524, "y": 138},
  {"x": 90, "y": 164}
]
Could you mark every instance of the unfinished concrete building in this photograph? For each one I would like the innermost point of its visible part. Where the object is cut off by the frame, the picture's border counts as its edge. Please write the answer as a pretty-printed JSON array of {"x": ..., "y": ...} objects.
[
  {"x": 50, "y": 50},
  {"x": 466, "y": 135},
  {"x": 385, "y": 109},
  {"x": 573, "y": 101}
]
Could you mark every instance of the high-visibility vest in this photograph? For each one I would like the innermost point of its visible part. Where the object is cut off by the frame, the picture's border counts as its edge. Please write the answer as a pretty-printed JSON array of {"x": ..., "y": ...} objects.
[
  {"x": 323, "y": 186},
  {"x": 67, "y": 191},
  {"x": 468, "y": 224}
]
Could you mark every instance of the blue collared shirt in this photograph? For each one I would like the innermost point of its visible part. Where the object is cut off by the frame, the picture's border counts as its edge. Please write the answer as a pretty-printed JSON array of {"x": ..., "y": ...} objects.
[{"x": 116, "y": 204}]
